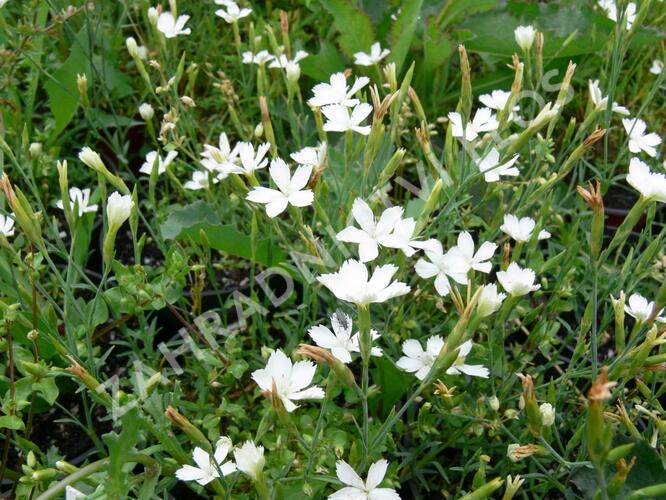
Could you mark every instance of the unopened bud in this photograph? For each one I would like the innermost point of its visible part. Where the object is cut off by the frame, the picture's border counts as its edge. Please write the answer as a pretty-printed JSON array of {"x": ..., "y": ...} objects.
[
  {"x": 132, "y": 47},
  {"x": 35, "y": 150},
  {"x": 320, "y": 355}
]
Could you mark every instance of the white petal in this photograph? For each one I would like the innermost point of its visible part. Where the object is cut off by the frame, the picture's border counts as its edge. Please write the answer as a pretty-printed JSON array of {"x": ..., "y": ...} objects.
[{"x": 376, "y": 474}]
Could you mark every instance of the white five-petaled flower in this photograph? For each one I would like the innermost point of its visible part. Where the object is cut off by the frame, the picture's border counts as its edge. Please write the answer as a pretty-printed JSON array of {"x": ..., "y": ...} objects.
[
  {"x": 479, "y": 260},
  {"x": 521, "y": 229},
  {"x": 650, "y": 184},
  {"x": 260, "y": 58},
  {"x": 489, "y": 300},
  {"x": 442, "y": 266},
  {"x": 80, "y": 198},
  {"x": 208, "y": 468},
  {"x": 340, "y": 341},
  {"x": 357, "y": 489},
  {"x": 249, "y": 161},
  {"x": 282, "y": 61},
  {"x": 250, "y": 459},
  {"x": 200, "y": 180},
  {"x": 459, "y": 366},
  {"x": 641, "y": 309},
  {"x": 172, "y": 27},
  {"x": 372, "y": 233},
  {"x": 351, "y": 283},
  {"x": 517, "y": 281},
  {"x": 154, "y": 159},
  {"x": 524, "y": 37},
  {"x": 498, "y": 100},
  {"x": 484, "y": 121},
  {"x": 491, "y": 168},
  {"x": 600, "y": 102},
  {"x": 657, "y": 67},
  {"x": 220, "y": 159},
  {"x": 291, "y": 189},
  {"x": 340, "y": 118},
  {"x": 118, "y": 209},
  {"x": 376, "y": 54},
  {"x": 638, "y": 139},
  {"x": 417, "y": 360},
  {"x": 233, "y": 12},
  {"x": 6, "y": 225},
  {"x": 291, "y": 380},
  {"x": 313, "y": 156},
  {"x": 337, "y": 91}
]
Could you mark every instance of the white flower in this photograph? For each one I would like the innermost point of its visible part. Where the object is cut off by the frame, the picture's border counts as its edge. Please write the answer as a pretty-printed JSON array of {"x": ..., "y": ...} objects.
[
  {"x": 340, "y": 119},
  {"x": 172, "y": 27},
  {"x": 600, "y": 102},
  {"x": 6, "y": 225},
  {"x": 340, "y": 341},
  {"x": 401, "y": 238},
  {"x": 417, "y": 360},
  {"x": 222, "y": 159},
  {"x": 282, "y": 61},
  {"x": 207, "y": 466},
  {"x": 81, "y": 198},
  {"x": 521, "y": 229},
  {"x": 657, "y": 67},
  {"x": 650, "y": 184},
  {"x": 118, "y": 209},
  {"x": 492, "y": 169},
  {"x": 337, "y": 91},
  {"x": 357, "y": 489},
  {"x": 260, "y": 58},
  {"x": 376, "y": 54},
  {"x": 200, "y": 180},
  {"x": 373, "y": 233},
  {"x": 517, "y": 281},
  {"x": 547, "y": 113},
  {"x": 152, "y": 158},
  {"x": 249, "y": 161},
  {"x": 293, "y": 71},
  {"x": 311, "y": 156},
  {"x": 498, "y": 100},
  {"x": 146, "y": 111},
  {"x": 459, "y": 365},
  {"x": 489, "y": 300},
  {"x": 478, "y": 260},
  {"x": 638, "y": 139},
  {"x": 547, "y": 414},
  {"x": 443, "y": 265},
  {"x": 351, "y": 283},
  {"x": 610, "y": 7},
  {"x": 524, "y": 37},
  {"x": 233, "y": 12},
  {"x": 484, "y": 121},
  {"x": 641, "y": 309},
  {"x": 290, "y": 379},
  {"x": 250, "y": 459},
  {"x": 291, "y": 190}
]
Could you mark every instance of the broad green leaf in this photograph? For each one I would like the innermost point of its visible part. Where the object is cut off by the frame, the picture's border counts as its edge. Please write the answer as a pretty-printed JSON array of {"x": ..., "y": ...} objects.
[
  {"x": 356, "y": 31},
  {"x": 11, "y": 422},
  {"x": 61, "y": 90},
  {"x": 187, "y": 223},
  {"x": 48, "y": 388},
  {"x": 403, "y": 31},
  {"x": 322, "y": 65}
]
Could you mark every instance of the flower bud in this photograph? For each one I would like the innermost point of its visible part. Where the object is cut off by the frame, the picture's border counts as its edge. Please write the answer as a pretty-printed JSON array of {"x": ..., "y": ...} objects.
[
  {"x": 547, "y": 414},
  {"x": 186, "y": 426},
  {"x": 82, "y": 87},
  {"x": 618, "y": 310},
  {"x": 517, "y": 452},
  {"x": 525, "y": 37},
  {"x": 132, "y": 47},
  {"x": 35, "y": 150},
  {"x": 321, "y": 355},
  {"x": 512, "y": 486},
  {"x": 599, "y": 433},
  {"x": 153, "y": 15},
  {"x": 146, "y": 111},
  {"x": 494, "y": 403},
  {"x": 531, "y": 406},
  {"x": 93, "y": 160}
]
